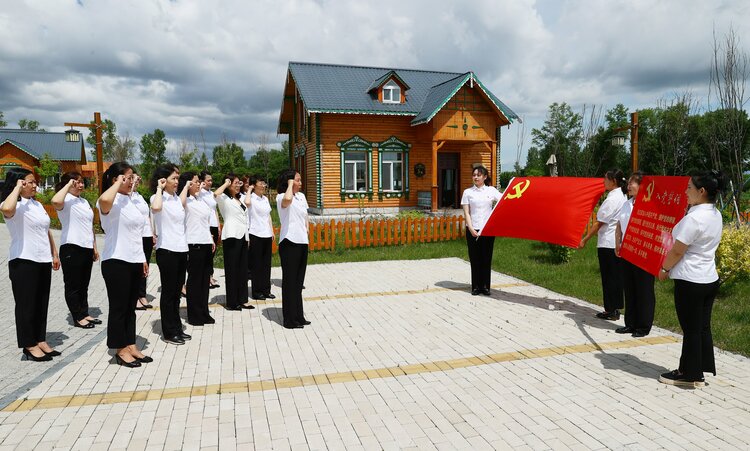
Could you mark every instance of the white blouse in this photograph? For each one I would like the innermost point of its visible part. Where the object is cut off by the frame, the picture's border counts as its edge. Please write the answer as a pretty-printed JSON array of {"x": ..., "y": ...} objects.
[
  {"x": 29, "y": 232},
  {"x": 293, "y": 219},
  {"x": 701, "y": 230},
  {"x": 77, "y": 219},
  {"x": 623, "y": 217},
  {"x": 480, "y": 202},
  {"x": 208, "y": 197},
  {"x": 260, "y": 216},
  {"x": 608, "y": 215},
  {"x": 123, "y": 226},
  {"x": 198, "y": 221},
  {"x": 235, "y": 218},
  {"x": 145, "y": 210},
  {"x": 170, "y": 224}
]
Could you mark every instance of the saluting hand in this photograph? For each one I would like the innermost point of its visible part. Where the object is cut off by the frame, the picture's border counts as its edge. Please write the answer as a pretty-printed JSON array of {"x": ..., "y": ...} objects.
[{"x": 161, "y": 183}]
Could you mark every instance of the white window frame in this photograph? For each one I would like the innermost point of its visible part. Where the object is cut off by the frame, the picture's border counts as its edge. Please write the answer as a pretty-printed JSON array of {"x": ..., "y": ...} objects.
[
  {"x": 355, "y": 164},
  {"x": 393, "y": 90},
  {"x": 387, "y": 167}
]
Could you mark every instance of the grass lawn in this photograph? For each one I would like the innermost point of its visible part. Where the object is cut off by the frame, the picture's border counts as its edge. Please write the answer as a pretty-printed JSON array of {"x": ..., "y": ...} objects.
[{"x": 579, "y": 278}]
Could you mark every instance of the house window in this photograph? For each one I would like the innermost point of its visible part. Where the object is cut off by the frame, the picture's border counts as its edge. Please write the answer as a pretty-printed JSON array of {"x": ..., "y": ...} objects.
[
  {"x": 392, "y": 171},
  {"x": 356, "y": 168},
  {"x": 391, "y": 92},
  {"x": 393, "y": 162},
  {"x": 355, "y": 171}
]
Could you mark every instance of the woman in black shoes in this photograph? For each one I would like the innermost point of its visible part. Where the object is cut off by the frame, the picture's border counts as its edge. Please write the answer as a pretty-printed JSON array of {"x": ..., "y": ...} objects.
[
  {"x": 207, "y": 196},
  {"x": 261, "y": 238},
  {"x": 32, "y": 258},
  {"x": 691, "y": 264},
  {"x": 77, "y": 246},
  {"x": 147, "y": 237},
  {"x": 234, "y": 242},
  {"x": 293, "y": 247},
  {"x": 200, "y": 250},
  {"x": 123, "y": 263},
  {"x": 168, "y": 210}
]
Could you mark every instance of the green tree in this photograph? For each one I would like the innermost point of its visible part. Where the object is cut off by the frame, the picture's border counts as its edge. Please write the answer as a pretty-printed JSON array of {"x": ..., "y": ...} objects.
[
  {"x": 153, "y": 148},
  {"x": 268, "y": 163},
  {"x": 560, "y": 135},
  {"x": 29, "y": 124},
  {"x": 48, "y": 168},
  {"x": 186, "y": 157},
  {"x": 228, "y": 157},
  {"x": 110, "y": 142},
  {"x": 2, "y": 120},
  {"x": 203, "y": 162}
]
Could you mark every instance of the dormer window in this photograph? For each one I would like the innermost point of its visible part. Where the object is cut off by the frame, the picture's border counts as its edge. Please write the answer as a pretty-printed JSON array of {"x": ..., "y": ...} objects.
[{"x": 391, "y": 92}]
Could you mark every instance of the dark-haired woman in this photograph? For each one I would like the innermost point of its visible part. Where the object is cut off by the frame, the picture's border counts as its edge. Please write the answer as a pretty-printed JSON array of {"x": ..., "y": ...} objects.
[
  {"x": 691, "y": 264},
  {"x": 604, "y": 227},
  {"x": 32, "y": 258},
  {"x": 77, "y": 246},
  {"x": 200, "y": 248},
  {"x": 123, "y": 263},
  {"x": 207, "y": 196},
  {"x": 293, "y": 247},
  {"x": 638, "y": 285},
  {"x": 168, "y": 209},
  {"x": 477, "y": 203},
  {"x": 234, "y": 242},
  {"x": 147, "y": 238},
  {"x": 261, "y": 239}
]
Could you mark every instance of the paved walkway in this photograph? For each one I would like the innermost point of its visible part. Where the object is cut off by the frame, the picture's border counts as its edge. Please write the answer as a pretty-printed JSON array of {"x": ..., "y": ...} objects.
[{"x": 399, "y": 356}]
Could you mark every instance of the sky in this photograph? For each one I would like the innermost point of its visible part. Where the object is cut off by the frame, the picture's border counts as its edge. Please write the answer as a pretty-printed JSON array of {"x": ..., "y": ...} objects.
[{"x": 206, "y": 70}]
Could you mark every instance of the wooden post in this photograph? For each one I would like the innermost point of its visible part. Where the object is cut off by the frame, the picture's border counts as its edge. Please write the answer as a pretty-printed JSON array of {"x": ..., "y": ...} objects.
[
  {"x": 634, "y": 139},
  {"x": 493, "y": 164},
  {"x": 434, "y": 176},
  {"x": 99, "y": 148}
]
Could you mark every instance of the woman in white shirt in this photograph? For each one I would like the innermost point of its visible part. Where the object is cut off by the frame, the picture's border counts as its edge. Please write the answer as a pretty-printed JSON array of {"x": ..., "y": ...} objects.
[
  {"x": 261, "y": 238},
  {"x": 234, "y": 242},
  {"x": 477, "y": 203},
  {"x": 32, "y": 258},
  {"x": 77, "y": 246},
  {"x": 604, "y": 227},
  {"x": 293, "y": 247},
  {"x": 200, "y": 248},
  {"x": 147, "y": 238},
  {"x": 691, "y": 263},
  {"x": 207, "y": 196},
  {"x": 638, "y": 284},
  {"x": 123, "y": 263},
  {"x": 168, "y": 210}
]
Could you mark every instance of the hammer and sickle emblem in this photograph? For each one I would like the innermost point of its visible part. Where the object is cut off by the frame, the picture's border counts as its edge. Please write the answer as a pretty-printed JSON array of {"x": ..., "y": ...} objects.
[
  {"x": 649, "y": 191},
  {"x": 519, "y": 189}
]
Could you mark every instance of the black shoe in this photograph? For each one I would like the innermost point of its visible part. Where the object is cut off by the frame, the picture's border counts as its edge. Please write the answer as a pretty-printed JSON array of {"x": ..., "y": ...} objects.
[
  {"x": 209, "y": 320},
  {"x": 53, "y": 353},
  {"x": 259, "y": 297},
  {"x": 95, "y": 321},
  {"x": 185, "y": 336},
  {"x": 678, "y": 379},
  {"x": 176, "y": 340},
  {"x": 624, "y": 330},
  {"x": 214, "y": 285},
  {"x": 486, "y": 291},
  {"x": 134, "y": 364},
  {"x": 144, "y": 359},
  {"x": 88, "y": 325},
  {"x": 305, "y": 322},
  {"x": 247, "y": 306},
  {"x": 234, "y": 309},
  {"x": 640, "y": 333},
  {"x": 195, "y": 324},
  {"x": 33, "y": 358},
  {"x": 293, "y": 326},
  {"x": 475, "y": 292},
  {"x": 611, "y": 316},
  {"x": 269, "y": 296}
]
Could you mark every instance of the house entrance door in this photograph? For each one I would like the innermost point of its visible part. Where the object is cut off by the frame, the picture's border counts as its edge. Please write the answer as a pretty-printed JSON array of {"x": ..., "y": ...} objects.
[{"x": 448, "y": 183}]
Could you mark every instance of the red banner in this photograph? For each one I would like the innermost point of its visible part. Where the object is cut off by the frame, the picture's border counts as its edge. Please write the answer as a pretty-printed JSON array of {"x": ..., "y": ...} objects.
[
  {"x": 659, "y": 205},
  {"x": 551, "y": 209}
]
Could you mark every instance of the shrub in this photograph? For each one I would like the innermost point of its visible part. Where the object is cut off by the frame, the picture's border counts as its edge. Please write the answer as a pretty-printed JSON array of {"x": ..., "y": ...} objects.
[
  {"x": 733, "y": 255},
  {"x": 45, "y": 197},
  {"x": 560, "y": 254}
]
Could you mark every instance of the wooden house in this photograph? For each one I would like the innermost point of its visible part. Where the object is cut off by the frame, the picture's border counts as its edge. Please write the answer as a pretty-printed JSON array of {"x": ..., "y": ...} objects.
[{"x": 383, "y": 140}]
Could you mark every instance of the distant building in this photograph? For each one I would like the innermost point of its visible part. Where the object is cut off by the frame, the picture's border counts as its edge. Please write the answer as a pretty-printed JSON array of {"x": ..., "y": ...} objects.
[{"x": 384, "y": 139}]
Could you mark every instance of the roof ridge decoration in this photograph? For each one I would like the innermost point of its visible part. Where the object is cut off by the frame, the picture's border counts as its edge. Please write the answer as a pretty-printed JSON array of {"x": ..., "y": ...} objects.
[{"x": 351, "y": 66}]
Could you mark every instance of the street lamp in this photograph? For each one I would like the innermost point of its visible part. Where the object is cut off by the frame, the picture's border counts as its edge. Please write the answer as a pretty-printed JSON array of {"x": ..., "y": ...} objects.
[
  {"x": 619, "y": 138},
  {"x": 72, "y": 135}
]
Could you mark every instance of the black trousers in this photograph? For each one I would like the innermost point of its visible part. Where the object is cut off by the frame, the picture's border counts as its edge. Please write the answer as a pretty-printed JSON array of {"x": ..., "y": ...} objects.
[
  {"x": 609, "y": 267},
  {"x": 640, "y": 299},
  {"x": 480, "y": 257},
  {"x": 122, "y": 280},
  {"x": 293, "y": 267},
  {"x": 693, "y": 303},
  {"x": 260, "y": 265},
  {"x": 30, "y": 282},
  {"x": 148, "y": 249},
  {"x": 76, "y": 264},
  {"x": 198, "y": 273},
  {"x": 235, "y": 271},
  {"x": 217, "y": 241},
  {"x": 172, "y": 266}
]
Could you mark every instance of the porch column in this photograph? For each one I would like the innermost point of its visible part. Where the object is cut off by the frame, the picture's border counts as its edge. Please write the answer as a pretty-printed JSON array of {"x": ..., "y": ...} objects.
[
  {"x": 435, "y": 148},
  {"x": 493, "y": 163}
]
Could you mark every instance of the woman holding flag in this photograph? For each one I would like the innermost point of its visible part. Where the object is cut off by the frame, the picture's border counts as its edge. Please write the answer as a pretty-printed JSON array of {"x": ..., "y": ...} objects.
[
  {"x": 604, "y": 227},
  {"x": 691, "y": 264},
  {"x": 477, "y": 202}
]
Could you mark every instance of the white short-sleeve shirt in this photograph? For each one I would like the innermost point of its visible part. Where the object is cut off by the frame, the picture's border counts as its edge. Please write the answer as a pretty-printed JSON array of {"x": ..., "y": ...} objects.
[
  {"x": 480, "y": 202},
  {"x": 235, "y": 218},
  {"x": 623, "y": 217},
  {"x": 701, "y": 230},
  {"x": 145, "y": 210},
  {"x": 29, "y": 232},
  {"x": 293, "y": 219},
  {"x": 208, "y": 197},
  {"x": 198, "y": 221},
  {"x": 608, "y": 215},
  {"x": 123, "y": 226},
  {"x": 77, "y": 220},
  {"x": 170, "y": 224},
  {"x": 260, "y": 216}
]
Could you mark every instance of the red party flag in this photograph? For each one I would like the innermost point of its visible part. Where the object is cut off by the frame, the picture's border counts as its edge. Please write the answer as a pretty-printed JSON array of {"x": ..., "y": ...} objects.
[{"x": 551, "y": 209}]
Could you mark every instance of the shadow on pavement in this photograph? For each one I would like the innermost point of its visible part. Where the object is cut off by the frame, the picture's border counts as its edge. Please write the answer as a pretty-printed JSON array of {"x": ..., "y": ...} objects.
[
  {"x": 631, "y": 365},
  {"x": 274, "y": 314}
]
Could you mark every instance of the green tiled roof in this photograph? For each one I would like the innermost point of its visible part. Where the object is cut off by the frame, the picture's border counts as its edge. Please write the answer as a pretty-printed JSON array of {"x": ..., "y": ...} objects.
[
  {"x": 328, "y": 88},
  {"x": 37, "y": 143}
]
